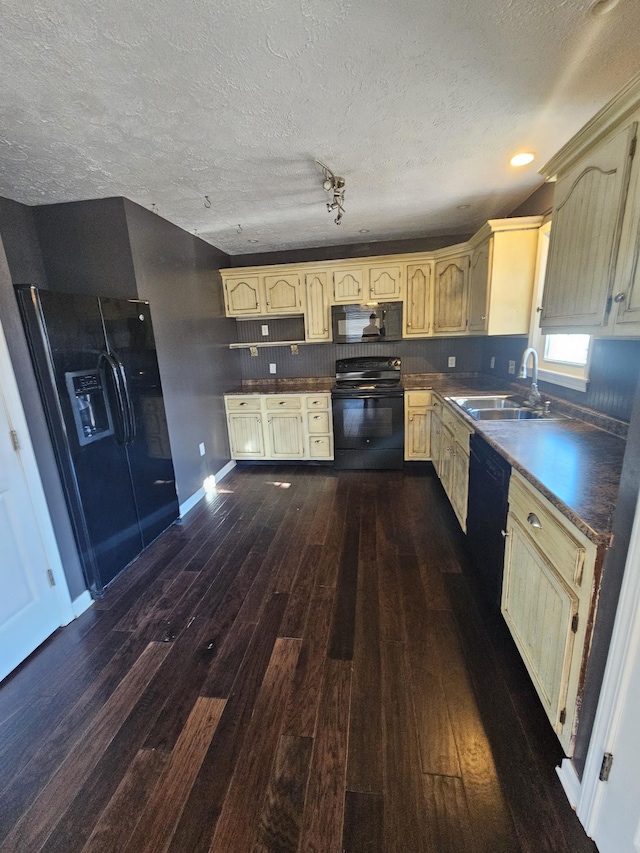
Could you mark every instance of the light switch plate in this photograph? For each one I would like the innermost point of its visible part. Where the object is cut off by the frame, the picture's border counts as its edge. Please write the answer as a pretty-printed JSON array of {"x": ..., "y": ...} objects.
[
  {"x": 451, "y": 361},
  {"x": 272, "y": 367},
  {"x": 512, "y": 367},
  {"x": 201, "y": 448},
  {"x": 265, "y": 329},
  {"x": 493, "y": 361}
]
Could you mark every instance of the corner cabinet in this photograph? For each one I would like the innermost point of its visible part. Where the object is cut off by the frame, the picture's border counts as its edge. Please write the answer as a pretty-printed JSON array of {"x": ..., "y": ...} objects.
[
  {"x": 547, "y": 596},
  {"x": 591, "y": 277},
  {"x": 451, "y": 294},
  {"x": 280, "y": 426}
]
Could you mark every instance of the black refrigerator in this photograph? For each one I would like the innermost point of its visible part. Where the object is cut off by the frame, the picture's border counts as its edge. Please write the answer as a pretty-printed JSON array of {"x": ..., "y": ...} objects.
[{"x": 97, "y": 371}]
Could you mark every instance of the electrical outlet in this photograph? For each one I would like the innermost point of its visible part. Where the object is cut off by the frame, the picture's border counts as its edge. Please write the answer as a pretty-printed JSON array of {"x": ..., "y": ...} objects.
[
  {"x": 512, "y": 367},
  {"x": 451, "y": 361},
  {"x": 493, "y": 361},
  {"x": 272, "y": 367},
  {"x": 265, "y": 329},
  {"x": 201, "y": 448}
]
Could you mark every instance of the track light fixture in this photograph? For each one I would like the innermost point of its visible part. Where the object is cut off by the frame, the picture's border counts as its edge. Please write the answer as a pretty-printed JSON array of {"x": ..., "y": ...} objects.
[{"x": 333, "y": 184}]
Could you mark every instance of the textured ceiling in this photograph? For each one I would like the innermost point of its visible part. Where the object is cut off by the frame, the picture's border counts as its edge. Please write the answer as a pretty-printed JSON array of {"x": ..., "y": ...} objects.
[{"x": 417, "y": 103}]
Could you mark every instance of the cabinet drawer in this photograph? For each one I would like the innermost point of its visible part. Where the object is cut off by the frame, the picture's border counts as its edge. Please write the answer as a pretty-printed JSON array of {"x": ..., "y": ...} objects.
[
  {"x": 284, "y": 403},
  {"x": 458, "y": 427},
  {"x": 243, "y": 404},
  {"x": 319, "y": 402},
  {"x": 318, "y": 422},
  {"x": 554, "y": 538},
  {"x": 320, "y": 447},
  {"x": 417, "y": 398}
]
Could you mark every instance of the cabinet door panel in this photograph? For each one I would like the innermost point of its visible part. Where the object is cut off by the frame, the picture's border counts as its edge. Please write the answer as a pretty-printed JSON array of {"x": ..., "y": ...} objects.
[
  {"x": 285, "y": 436},
  {"x": 478, "y": 288},
  {"x": 451, "y": 282},
  {"x": 385, "y": 282},
  {"x": 418, "y": 301},
  {"x": 460, "y": 485},
  {"x": 627, "y": 283},
  {"x": 246, "y": 436},
  {"x": 316, "y": 319},
  {"x": 347, "y": 285},
  {"x": 282, "y": 294},
  {"x": 242, "y": 296},
  {"x": 587, "y": 217},
  {"x": 418, "y": 434},
  {"x": 539, "y": 608}
]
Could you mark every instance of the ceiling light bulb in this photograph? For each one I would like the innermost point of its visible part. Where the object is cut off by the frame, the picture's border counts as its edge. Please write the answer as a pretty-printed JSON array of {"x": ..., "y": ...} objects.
[
  {"x": 328, "y": 185},
  {"x": 522, "y": 159}
]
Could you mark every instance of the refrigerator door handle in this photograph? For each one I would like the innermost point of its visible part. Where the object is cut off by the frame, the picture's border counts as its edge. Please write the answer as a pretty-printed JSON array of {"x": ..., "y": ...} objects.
[
  {"x": 115, "y": 375},
  {"x": 131, "y": 420}
]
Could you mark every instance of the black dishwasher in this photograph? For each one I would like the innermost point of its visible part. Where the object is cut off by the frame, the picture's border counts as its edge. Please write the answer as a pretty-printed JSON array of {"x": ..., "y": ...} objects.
[{"x": 489, "y": 477}]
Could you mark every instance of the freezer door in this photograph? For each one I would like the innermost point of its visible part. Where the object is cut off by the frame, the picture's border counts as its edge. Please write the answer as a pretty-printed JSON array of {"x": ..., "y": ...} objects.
[
  {"x": 131, "y": 342},
  {"x": 81, "y": 401}
]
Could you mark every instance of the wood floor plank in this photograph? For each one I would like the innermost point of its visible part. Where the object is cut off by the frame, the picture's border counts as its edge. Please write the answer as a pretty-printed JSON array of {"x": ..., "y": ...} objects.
[
  {"x": 38, "y": 821},
  {"x": 238, "y": 827},
  {"x": 158, "y": 821},
  {"x": 204, "y": 804},
  {"x": 364, "y": 771},
  {"x": 295, "y": 615},
  {"x": 119, "y": 818},
  {"x": 224, "y": 669},
  {"x": 322, "y": 822},
  {"x": 302, "y": 708},
  {"x": 344, "y": 608},
  {"x": 452, "y": 825},
  {"x": 363, "y": 823},
  {"x": 281, "y": 818}
]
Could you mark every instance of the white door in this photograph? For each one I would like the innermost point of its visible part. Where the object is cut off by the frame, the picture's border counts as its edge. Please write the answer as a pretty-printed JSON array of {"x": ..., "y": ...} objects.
[
  {"x": 30, "y": 607},
  {"x": 610, "y": 810}
]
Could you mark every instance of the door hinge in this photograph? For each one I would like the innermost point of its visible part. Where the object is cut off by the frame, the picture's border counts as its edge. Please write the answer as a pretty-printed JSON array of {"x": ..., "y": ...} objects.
[
  {"x": 14, "y": 439},
  {"x": 605, "y": 767},
  {"x": 574, "y": 624},
  {"x": 563, "y": 716},
  {"x": 52, "y": 580}
]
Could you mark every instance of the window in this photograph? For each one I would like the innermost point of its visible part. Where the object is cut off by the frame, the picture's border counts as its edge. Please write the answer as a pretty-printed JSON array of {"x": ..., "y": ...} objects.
[{"x": 564, "y": 359}]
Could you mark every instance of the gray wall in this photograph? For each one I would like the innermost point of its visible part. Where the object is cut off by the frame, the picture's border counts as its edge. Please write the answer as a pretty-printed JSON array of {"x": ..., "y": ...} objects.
[
  {"x": 178, "y": 274},
  {"x": 21, "y": 263}
]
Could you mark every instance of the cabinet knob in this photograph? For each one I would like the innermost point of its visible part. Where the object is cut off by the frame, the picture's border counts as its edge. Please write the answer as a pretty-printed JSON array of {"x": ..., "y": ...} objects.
[
  {"x": 483, "y": 318},
  {"x": 316, "y": 417},
  {"x": 504, "y": 533},
  {"x": 243, "y": 404},
  {"x": 534, "y": 521},
  {"x": 620, "y": 296},
  {"x": 282, "y": 403}
]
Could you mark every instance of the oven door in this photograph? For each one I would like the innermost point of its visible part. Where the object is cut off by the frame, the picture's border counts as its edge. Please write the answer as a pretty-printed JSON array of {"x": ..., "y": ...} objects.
[{"x": 368, "y": 431}]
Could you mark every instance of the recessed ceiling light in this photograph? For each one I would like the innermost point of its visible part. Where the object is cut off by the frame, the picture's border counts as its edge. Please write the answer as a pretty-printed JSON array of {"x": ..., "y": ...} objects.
[
  {"x": 463, "y": 206},
  {"x": 364, "y": 231},
  {"x": 522, "y": 159},
  {"x": 603, "y": 7}
]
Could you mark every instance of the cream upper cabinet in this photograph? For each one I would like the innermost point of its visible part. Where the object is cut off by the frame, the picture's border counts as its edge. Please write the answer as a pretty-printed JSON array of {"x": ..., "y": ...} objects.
[
  {"x": 348, "y": 284},
  {"x": 626, "y": 288},
  {"x": 451, "y": 294},
  {"x": 501, "y": 276},
  {"x": 317, "y": 317},
  {"x": 547, "y": 591},
  {"x": 283, "y": 293},
  {"x": 385, "y": 282},
  {"x": 242, "y": 295},
  {"x": 418, "y": 303}
]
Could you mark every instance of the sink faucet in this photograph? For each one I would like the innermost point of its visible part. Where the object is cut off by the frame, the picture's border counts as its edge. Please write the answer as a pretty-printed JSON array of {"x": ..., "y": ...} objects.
[{"x": 534, "y": 394}]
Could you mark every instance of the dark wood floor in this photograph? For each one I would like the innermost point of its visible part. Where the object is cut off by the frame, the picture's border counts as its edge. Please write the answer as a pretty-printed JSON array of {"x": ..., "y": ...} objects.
[{"x": 290, "y": 669}]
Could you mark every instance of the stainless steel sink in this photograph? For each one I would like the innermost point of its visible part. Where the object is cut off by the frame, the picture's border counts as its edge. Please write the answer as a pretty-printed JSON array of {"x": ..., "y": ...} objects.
[{"x": 501, "y": 401}]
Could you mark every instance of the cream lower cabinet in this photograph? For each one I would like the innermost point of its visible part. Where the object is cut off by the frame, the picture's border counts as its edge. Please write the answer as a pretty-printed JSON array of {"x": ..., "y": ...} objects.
[
  {"x": 450, "y": 439},
  {"x": 546, "y": 600},
  {"x": 436, "y": 434},
  {"x": 280, "y": 426},
  {"x": 417, "y": 425}
]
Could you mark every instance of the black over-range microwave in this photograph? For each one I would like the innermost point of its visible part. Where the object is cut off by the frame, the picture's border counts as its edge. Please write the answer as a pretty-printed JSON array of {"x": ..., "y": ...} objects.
[{"x": 375, "y": 322}]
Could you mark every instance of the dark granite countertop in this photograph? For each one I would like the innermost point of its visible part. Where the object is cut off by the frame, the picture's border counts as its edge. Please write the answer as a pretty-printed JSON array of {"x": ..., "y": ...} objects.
[{"x": 574, "y": 463}]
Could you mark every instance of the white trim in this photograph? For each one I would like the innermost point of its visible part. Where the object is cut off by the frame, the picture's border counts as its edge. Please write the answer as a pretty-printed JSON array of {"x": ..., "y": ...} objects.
[
  {"x": 81, "y": 603},
  {"x": 34, "y": 483},
  {"x": 578, "y": 383},
  {"x": 226, "y": 469},
  {"x": 189, "y": 504},
  {"x": 570, "y": 781},
  {"x": 625, "y": 645}
]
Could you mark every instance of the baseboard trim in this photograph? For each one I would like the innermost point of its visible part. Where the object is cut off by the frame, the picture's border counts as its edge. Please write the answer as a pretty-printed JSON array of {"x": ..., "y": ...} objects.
[
  {"x": 81, "y": 603},
  {"x": 222, "y": 473},
  {"x": 191, "y": 502},
  {"x": 570, "y": 782}
]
